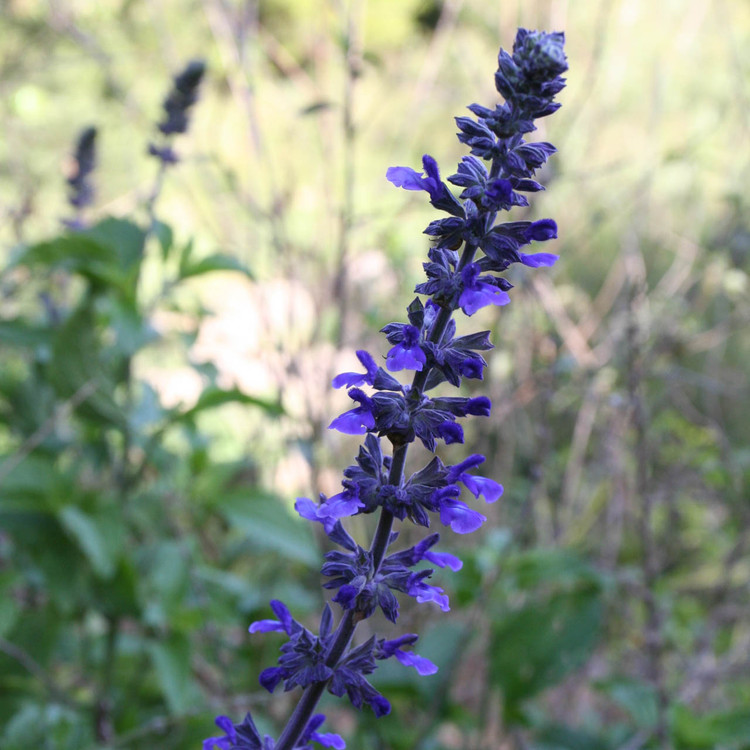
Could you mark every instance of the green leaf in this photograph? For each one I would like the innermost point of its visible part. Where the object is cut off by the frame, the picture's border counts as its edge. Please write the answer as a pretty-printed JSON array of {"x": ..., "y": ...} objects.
[
  {"x": 212, "y": 397},
  {"x": 559, "y": 737},
  {"x": 561, "y": 567},
  {"x": 109, "y": 254},
  {"x": 27, "y": 482},
  {"x": 78, "y": 363},
  {"x": 728, "y": 730},
  {"x": 171, "y": 660},
  {"x": 165, "y": 236},
  {"x": 91, "y": 538},
  {"x": 537, "y": 645},
  {"x": 18, "y": 333},
  {"x": 266, "y": 524},
  {"x": 215, "y": 262},
  {"x": 122, "y": 237}
]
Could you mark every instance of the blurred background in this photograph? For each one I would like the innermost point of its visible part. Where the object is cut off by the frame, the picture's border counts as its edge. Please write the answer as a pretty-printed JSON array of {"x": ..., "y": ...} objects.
[{"x": 160, "y": 411}]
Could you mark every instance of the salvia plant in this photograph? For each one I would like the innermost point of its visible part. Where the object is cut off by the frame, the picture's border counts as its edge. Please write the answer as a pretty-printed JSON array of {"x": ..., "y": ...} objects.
[{"x": 494, "y": 178}]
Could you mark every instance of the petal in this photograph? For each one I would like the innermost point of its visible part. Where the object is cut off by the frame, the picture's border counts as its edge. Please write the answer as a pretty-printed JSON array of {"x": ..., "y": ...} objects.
[
  {"x": 474, "y": 460},
  {"x": 368, "y": 363},
  {"x": 226, "y": 725},
  {"x": 340, "y": 506},
  {"x": 488, "y": 488},
  {"x": 479, "y": 406},
  {"x": 406, "y": 178},
  {"x": 535, "y": 260},
  {"x": 542, "y": 230},
  {"x": 349, "y": 379},
  {"x": 431, "y": 168},
  {"x": 354, "y": 422},
  {"x": 328, "y": 739},
  {"x": 426, "y": 593},
  {"x": 306, "y": 508},
  {"x": 401, "y": 358},
  {"x": 266, "y": 626},
  {"x": 282, "y": 612},
  {"x": 443, "y": 560},
  {"x": 460, "y": 517},
  {"x": 451, "y": 432},
  {"x": 271, "y": 677},
  {"x": 473, "y": 299},
  {"x": 422, "y": 665}
]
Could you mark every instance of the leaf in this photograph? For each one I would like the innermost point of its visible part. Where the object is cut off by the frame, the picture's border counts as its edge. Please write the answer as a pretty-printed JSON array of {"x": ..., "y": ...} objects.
[
  {"x": 558, "y": 737},
  {"x": 124, "y": 238},
  {"x": 212, "y": 397},
  {"x": 87, "y": 533},
  {"x": 727, "y": 729},
  {"x": 109, "y": 254},
  {"x": 264, "y": 521},
  {"x": 171, "y": 660},
  {"x": 537, "y": 645},
  {"x": 18, "y": 333},
  {"x": 165, "y": 236},
  {"x": 216, "y": 262},
  {"x": 78, "y": 363},
  {"x": 27, "y": 482},
  {"x": 551, "y": 566}
]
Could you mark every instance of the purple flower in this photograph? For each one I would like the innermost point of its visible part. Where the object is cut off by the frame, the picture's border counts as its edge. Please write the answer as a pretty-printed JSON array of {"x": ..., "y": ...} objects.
[
  {"x": 409, "y": 179},
  {"x": 386, "y": 649},
  {"x": 407, "y": 355},
  {"x": 346, "y": 503},
  {"x": 454, "y": 513},
  {"x": 326, "y": 739},
  {"x": 356, "y": 421},
  {"x": 349, "y": 678},
  {"x": 423, "y": 592},
  {"x": 286, "y": 623},
  {"x": 310, "y": 511},
  {"x": 535, "y": 260},
  {"x": 350, "y": 379},
  {"x": 303, "y": 656},
  {"x": 451, "y": 432},
  {"x": 479, "y": 406},
  {"x": 477, "y": 485},
  {"x": 460, "y": 517},
  {"x": 444, "y": 560},
  {"x": 499, "y": 194},
  {"x": 542, "y": 230},
  {"x": 227, "y": 741},
  {"x": 479, "y": 291},
  {"x": 244, "y": 736}
]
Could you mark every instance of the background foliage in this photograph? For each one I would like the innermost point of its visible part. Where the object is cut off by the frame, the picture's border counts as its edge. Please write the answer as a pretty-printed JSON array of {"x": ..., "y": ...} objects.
[{"x": 164, "y": 383}]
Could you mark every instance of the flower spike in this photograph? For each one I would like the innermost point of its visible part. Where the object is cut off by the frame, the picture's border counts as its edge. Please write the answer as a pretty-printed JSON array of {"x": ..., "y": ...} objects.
[{"x": 469, "y": 254}]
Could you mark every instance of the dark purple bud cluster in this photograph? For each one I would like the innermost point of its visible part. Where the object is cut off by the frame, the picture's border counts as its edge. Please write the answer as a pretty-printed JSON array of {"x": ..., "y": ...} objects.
[
  {"x": 84, "y": 161},
  {"x": 180, "y": 99},
  {"x": 365, "y": 580}
]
